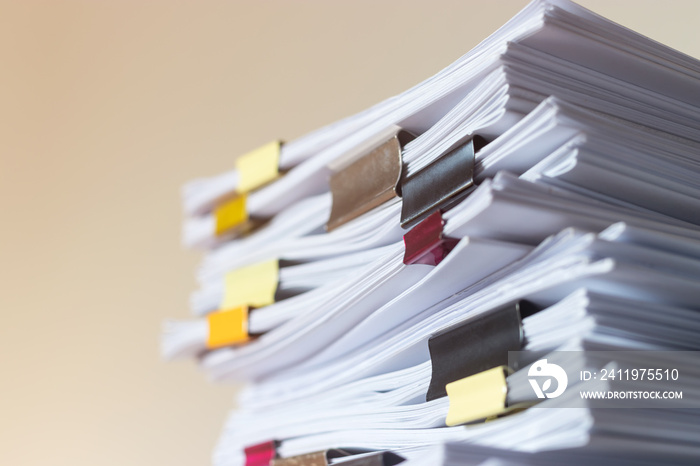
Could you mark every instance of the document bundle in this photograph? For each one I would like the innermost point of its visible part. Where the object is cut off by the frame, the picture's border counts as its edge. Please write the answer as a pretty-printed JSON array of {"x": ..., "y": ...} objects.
[{"x": 499, "y": 266}]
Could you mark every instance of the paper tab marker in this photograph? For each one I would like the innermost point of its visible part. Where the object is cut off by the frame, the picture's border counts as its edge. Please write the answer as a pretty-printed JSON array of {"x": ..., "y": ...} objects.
[
  {"x": 368, "y": 181},
  {"x": 475, "y": 345},
  {"x": 231, "y": 215},
  {"x": 477, "y": 397},
  {"x": 258, "y": 167},
  {"x": 253, "y": 286},
  {"x": 255, "y": 169},
  {"x": 425, "y": 244},
  {"x": 261, "y": 454},
  {"x": 441, "y": 184},
  {"x": 228, "y": 327}
]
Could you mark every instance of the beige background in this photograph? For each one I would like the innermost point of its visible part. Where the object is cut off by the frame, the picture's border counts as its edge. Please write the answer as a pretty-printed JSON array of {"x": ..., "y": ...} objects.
[{"x": 106, "y": 109}]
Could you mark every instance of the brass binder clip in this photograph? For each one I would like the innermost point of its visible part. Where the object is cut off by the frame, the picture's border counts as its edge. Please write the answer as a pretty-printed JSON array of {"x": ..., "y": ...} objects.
[
  {"x": 324, "y": 458},
  {"x": 475, "y": 345},
  {"x": 425, "y": 244},
  {"x": 261, "y": 454},
  {"x": 367, "y": 181},
  {"x": 317, "y": 458},
  {"x": 440, "y": 185}
]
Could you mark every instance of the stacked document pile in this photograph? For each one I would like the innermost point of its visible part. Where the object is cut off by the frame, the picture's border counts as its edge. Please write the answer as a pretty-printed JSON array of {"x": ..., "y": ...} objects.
[{"x": 499, "y": 266}]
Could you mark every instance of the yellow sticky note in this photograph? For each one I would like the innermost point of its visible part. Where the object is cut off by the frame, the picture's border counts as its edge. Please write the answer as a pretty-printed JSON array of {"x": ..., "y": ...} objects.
[
  {"x": 231, "y": 214},
  {"x": 477, "y": 397},
  {"x": 258, "y": 167},
  {"x": 254, "y": 285},
  {"x": 228, "y": 327}
]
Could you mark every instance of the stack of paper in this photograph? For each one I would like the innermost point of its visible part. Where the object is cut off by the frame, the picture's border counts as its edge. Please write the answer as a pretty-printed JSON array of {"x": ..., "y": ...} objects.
[{"x": 515, "y": 240}]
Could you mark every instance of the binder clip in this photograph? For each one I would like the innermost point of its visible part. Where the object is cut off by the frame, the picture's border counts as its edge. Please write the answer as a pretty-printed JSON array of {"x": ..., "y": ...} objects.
[
  {"x": 425, "y": 244},
  {"x": 326, "y": 457},
  {"x": 440, "y": 185},
  {"x": 475, "y": 345},
  {"x": 261, "y": 454},
  {"x": 362, "y": 182},
  {"x": 317, "y": 458}
]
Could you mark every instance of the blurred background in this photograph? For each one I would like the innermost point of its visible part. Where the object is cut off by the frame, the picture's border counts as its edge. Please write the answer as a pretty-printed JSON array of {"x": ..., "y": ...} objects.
[{"x": 106, "y": 109}]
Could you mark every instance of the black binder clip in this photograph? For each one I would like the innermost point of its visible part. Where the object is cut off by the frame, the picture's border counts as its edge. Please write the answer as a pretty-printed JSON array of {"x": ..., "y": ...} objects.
[
  {"x": 440, "y": 185},
  {"x": 475, "y": 345}
]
